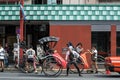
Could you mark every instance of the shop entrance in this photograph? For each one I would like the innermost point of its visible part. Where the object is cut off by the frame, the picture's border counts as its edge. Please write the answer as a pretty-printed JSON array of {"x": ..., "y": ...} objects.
[
  {"x": 118, "y": 43},
  {"x": 8, "y": 36},
  {"x": 102, "y": 41},
  {"x": 33, "y": 32}
]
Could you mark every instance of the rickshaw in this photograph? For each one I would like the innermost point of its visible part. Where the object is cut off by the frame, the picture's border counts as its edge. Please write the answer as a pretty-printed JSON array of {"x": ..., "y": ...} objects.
[{"x": 51, "y": 65}]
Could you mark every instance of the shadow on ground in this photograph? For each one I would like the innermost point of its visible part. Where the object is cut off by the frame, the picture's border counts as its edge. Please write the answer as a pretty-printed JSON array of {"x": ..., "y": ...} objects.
[{"x": 108, "y": 76}]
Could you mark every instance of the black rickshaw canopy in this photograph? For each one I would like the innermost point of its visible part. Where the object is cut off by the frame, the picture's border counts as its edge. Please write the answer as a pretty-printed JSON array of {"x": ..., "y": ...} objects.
[
  {"x": 48, "y": 39},
  {"x": 48, "y": 43}
]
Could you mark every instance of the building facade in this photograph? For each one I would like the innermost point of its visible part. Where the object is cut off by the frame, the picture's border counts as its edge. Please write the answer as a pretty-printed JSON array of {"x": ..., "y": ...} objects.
[
  {"x": 96, "y": 24},
  {"x": 61, "y": 1}
]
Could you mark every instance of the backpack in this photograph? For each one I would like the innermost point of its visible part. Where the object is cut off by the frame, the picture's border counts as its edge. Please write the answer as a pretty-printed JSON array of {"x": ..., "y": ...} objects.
[{"x": 71, "y": 56}]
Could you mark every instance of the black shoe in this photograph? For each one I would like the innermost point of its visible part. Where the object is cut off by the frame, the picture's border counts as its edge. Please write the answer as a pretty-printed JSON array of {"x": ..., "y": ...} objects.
[
  {"x": 2, "y": 70},
  {"x": 92, "y": 71},
  {"x": 96, "y": 72},
  {"x": 80, "y": 75}
]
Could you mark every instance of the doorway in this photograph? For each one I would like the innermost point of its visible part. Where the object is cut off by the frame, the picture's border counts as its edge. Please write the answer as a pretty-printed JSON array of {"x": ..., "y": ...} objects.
[
  {"x": 34, "y": 32},
  {"x": 118, "y": 44},
  {"x": 8, "y": 36},
  {"x": 102, "y": 41}
]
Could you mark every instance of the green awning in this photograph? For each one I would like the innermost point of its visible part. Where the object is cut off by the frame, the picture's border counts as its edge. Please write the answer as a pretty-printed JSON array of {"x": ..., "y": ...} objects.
[{"x": 61, "y": 12}]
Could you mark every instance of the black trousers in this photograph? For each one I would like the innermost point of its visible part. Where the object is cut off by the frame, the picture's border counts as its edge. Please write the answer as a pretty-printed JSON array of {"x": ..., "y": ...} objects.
[{"x": 75, "y": 64}]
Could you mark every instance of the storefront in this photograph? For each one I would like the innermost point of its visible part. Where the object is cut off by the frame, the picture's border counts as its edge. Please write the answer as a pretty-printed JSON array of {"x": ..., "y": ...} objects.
[
  {"x": 90, "y": 24},
  {"x": 99, "y": 33},
  {"x": 33, "y": 31}
]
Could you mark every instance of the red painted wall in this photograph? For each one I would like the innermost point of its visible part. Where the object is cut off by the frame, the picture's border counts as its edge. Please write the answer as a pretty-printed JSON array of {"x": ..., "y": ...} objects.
[
  {"x": 113, "y": 40},
  {"x": 73, "y": 33}
]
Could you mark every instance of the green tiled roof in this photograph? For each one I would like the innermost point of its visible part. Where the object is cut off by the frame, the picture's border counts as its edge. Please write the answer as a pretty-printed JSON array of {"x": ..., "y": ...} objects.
[{"x": 61, "y": 12}]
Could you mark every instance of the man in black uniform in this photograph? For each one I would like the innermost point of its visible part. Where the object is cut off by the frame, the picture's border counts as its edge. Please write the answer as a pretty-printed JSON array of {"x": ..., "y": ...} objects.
[{"x": 71, "y": 57}]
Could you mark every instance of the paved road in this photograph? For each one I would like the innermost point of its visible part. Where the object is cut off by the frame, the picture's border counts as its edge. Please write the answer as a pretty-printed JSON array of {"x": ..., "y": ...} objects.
[{"x": 33, "y": 76}]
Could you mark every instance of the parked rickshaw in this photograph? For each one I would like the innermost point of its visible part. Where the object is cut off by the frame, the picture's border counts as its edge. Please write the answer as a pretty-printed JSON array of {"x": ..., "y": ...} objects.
[{"x": 51, "y": 65}]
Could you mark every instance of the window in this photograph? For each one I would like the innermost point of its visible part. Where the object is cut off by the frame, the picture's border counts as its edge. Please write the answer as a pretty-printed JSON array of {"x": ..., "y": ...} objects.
[
  {"x": 59, "y": 1},
  {"x": 109, "y": 1},
  {"x": 47, "y": 1},
  {"x": 9, "y": 1},
  {"x": 39, "y": 1}
]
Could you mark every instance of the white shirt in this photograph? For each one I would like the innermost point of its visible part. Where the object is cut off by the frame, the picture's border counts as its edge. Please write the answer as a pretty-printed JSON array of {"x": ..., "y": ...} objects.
[
  {"x": 2, "y": 53},
  {"x": 76, "y": 55},
  {"x": 30, "y": 53},
  {"x": 95, "y": 52},
  {"x": 15, "y": 51}
]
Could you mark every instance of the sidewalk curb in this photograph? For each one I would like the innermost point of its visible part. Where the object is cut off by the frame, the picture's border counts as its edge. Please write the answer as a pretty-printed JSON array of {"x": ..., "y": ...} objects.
[{"x": 39, "y": 69}]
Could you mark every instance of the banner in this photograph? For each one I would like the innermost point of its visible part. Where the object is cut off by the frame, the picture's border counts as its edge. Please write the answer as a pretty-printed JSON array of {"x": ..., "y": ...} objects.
[{"x": 23, "y": 12}]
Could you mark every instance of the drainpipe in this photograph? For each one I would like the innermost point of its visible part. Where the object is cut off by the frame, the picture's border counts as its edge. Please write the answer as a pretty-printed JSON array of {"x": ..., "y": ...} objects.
[{"x": 21, "y": 27}]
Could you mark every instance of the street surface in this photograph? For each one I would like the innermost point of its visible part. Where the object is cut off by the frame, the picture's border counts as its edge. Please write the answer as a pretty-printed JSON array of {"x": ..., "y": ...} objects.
[{"x": 32, "y": 76}]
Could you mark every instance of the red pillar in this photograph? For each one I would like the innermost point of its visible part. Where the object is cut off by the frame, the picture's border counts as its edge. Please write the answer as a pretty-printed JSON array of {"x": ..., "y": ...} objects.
[
  {"x": 113, "y": 40},
  {"x": 21, "y": 27}
]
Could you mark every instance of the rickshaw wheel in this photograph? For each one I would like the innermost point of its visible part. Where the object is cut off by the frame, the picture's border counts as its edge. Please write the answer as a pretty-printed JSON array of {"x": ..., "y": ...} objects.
[{"x": 52, "y": 66}]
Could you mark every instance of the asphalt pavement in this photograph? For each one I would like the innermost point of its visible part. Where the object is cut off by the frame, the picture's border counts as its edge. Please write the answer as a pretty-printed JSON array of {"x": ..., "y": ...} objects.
[
  {"x": 12, "y": 73},
  {"x": 7, "y": 75}
]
